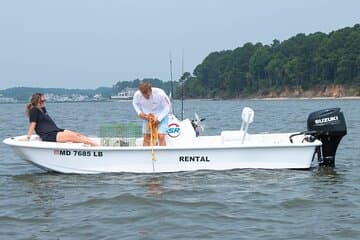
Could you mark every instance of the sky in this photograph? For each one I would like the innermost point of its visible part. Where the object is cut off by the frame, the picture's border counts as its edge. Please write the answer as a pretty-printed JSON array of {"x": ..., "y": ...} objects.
[{"x": 96, "y": 43}]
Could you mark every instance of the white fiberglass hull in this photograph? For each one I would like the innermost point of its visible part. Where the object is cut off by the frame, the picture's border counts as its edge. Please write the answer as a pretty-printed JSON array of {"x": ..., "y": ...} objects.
[{"x": 268, "y": 151}]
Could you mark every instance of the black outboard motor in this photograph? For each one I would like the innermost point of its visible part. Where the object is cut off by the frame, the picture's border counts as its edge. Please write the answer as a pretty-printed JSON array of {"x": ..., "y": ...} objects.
[{"x": 329, "y": 127}]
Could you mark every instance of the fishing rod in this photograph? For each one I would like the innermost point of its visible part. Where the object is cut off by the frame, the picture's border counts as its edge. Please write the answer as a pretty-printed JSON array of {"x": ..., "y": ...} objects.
[
  {"x": 171, "y": 83},
  {"x": 182, "y": 85}
]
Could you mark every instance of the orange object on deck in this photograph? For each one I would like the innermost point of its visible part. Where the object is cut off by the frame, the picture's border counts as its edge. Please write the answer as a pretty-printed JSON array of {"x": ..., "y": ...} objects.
[{"x": 153, "y": 128}]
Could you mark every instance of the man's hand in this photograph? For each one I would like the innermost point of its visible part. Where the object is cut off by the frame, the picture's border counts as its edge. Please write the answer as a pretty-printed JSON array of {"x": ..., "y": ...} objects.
[{"x": 143, "y": 116}]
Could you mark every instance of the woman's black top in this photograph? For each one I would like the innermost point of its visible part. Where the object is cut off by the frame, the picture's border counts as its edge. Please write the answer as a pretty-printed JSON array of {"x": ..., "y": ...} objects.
[{"x": 44, "y": 124}]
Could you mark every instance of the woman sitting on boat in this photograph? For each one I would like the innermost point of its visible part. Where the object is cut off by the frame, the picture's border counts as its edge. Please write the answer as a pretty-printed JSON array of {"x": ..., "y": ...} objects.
[{"x": 46, "y": 128}]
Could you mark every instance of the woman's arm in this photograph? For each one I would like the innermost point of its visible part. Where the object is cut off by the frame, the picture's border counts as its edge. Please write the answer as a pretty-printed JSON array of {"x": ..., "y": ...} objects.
[{"x": 31, "y": 130}]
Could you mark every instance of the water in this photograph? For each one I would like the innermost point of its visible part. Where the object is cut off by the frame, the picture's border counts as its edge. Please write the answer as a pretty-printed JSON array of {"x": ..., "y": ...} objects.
[{"x": 238, "y": 204}]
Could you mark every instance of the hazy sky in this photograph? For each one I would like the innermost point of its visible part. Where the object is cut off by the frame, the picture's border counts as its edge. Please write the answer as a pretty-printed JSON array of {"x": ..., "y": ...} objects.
[{"x": 88, "y": 43}]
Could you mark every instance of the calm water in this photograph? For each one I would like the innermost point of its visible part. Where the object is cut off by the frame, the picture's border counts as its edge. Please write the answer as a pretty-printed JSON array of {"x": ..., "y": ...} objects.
[{"x": 239, "y": 204}]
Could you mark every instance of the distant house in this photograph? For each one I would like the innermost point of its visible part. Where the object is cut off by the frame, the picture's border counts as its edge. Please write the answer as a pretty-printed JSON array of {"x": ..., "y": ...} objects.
[{"x": 7, "y": 99}]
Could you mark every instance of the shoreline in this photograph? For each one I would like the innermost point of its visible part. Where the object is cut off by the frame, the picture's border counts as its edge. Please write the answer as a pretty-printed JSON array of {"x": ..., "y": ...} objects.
[
  {"x": 308, "y": 98},
  {"x": 219, "y": 99}
]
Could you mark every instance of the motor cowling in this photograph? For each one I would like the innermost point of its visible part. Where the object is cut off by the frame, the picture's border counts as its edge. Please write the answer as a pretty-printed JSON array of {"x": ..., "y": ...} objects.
[{"x": 327, "y": 125}]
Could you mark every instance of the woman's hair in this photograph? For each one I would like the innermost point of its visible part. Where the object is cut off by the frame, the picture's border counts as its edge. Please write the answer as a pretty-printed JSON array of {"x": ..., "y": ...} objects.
[{"x": 34, "y": 100}]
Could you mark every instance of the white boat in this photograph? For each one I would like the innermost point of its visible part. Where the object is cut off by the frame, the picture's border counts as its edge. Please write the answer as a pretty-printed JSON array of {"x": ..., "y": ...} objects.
[
  {"x": 125, "y": 94},
  {"x": 187, "y": 152}
]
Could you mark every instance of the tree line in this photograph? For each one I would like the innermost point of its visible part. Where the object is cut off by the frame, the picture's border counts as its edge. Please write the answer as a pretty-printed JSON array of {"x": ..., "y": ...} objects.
[
  {"x": 302, "y": 61},
  {"x": 167, "y": 86},
  {"x": 24, "y": 93}
]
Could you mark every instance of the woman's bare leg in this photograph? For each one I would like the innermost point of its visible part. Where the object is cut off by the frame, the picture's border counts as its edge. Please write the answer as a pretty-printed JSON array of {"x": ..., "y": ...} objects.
[{"x": 70, "y": 136}]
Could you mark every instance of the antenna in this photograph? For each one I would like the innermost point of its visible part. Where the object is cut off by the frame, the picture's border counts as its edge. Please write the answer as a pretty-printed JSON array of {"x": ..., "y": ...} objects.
[
  {"x": 182, "y": 85},
  {"x": 171, "y": 82}
]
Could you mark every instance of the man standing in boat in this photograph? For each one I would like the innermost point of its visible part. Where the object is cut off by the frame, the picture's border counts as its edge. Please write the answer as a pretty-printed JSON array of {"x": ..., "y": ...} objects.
[{"x": 153, "y": 106}]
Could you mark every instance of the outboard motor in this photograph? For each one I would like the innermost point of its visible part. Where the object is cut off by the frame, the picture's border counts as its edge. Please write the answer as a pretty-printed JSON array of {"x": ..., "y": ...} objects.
[{"x": 329, "y": 127}]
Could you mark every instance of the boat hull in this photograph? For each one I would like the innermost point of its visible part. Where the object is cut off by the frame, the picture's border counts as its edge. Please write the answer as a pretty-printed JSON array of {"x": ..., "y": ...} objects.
[{"x": 77, "y": 158}]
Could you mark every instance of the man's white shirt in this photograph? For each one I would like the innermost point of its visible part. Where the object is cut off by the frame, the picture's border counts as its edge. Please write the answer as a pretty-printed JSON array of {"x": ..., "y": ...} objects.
[{"x": 157, "y": 104}]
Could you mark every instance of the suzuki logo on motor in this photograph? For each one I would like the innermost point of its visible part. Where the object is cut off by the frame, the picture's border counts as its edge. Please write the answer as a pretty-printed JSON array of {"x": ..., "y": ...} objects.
[
  {"x": 326, "y": 120},
  {"x": 174, "y": 130}
]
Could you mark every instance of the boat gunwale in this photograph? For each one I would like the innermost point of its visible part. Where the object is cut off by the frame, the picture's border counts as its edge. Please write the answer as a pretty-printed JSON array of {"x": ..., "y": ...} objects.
[{"x": 12, "y": 141}]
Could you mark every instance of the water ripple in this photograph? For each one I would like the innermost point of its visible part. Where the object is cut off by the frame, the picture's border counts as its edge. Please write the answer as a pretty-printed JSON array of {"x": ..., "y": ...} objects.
[{"x": 322, "y": 203}]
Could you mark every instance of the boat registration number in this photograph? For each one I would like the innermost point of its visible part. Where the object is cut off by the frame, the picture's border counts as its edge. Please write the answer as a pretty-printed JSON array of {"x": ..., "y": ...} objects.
[{"x": 78, "y": 153}]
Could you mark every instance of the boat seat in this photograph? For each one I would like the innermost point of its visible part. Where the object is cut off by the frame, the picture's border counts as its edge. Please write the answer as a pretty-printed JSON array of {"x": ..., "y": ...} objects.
[
  {"x": 247, "y": 118},
  {"x": 229, "y": 137}
]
